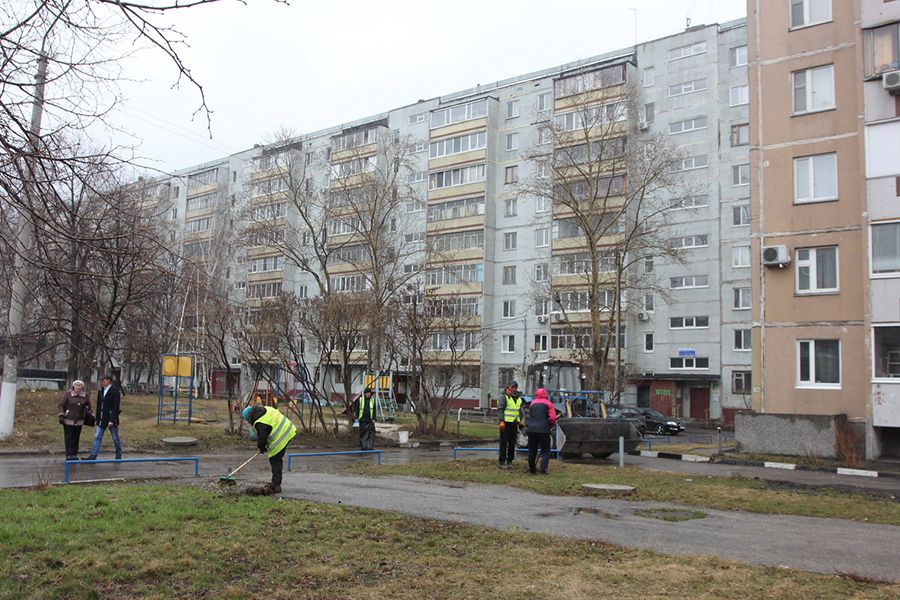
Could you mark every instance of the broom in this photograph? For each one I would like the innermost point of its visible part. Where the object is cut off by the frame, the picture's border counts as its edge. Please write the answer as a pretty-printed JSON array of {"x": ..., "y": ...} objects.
[{"x": 229, "y": 479}]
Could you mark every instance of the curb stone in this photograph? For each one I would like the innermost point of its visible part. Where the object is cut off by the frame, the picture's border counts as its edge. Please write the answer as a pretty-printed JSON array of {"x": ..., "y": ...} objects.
[{"x": 765, "y": 464}]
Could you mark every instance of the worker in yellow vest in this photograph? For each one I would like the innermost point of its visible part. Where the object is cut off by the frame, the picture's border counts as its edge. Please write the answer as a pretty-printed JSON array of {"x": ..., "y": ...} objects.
[
  {"x": 510, "y": 412},
  {"x": 365, "y": 414},
  {"x": 273, "y": 433}
]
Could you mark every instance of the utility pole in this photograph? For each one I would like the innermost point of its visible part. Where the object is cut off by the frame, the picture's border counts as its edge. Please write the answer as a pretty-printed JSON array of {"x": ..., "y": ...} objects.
[
  {"x": 618, "y": 324},
  {"x": 24, "y": 240}
]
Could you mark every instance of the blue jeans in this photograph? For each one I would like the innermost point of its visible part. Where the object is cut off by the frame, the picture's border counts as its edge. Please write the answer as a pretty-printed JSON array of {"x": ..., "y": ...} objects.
[{"x": 98, "y": 438}]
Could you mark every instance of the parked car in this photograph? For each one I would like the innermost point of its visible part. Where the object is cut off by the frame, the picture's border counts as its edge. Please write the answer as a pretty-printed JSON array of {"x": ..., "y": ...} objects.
[
  {"x": 656, "y": 422},
  {"x": 626, "y": 412}
]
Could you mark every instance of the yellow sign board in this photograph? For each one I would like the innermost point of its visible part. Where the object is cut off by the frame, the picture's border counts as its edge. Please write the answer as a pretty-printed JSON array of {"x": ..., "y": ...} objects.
[{"x": 180, "y": 366}]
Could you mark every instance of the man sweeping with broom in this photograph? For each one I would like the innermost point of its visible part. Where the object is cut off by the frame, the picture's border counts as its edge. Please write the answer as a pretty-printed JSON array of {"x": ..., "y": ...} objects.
[{"x": 273, "y": 432}]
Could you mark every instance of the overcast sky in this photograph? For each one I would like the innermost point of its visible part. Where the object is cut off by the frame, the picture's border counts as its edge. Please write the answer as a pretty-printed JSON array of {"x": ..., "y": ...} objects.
[{"x": 312, "y": 65}]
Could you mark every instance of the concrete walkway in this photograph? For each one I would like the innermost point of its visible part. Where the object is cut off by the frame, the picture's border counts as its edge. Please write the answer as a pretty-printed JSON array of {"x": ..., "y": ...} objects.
[{"x": 804, "y": 543}]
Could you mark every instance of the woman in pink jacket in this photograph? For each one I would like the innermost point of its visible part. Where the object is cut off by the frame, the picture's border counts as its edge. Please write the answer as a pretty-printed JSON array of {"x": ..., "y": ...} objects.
[{"x": 541, "y": 420}]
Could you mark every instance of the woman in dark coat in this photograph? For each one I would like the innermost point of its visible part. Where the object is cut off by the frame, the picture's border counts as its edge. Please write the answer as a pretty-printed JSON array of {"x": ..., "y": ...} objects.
[{"x": 72, "y": 408}]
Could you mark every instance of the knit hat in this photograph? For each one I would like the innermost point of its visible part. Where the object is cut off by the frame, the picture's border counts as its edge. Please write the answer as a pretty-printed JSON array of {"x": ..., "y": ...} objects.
[
  {"x": 246, "y": 413},
  {"x": 76, "y": 382}
]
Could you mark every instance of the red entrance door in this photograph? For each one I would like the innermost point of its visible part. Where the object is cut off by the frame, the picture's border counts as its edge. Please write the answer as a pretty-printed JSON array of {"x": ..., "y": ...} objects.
[{"x": 699, "y": 403}]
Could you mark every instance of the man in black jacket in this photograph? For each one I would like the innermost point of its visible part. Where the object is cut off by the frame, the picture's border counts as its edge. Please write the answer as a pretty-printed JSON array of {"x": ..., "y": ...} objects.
[{"x": 108, "y": 400}]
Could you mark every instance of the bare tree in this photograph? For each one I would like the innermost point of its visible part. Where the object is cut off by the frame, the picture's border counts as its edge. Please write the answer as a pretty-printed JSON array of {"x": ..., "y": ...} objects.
[
  {"x": 608, "y": 185},
  {"x": 440, "y": 342}
]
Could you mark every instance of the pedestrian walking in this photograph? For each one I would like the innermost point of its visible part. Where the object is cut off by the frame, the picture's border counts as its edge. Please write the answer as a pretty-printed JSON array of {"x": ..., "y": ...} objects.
[
  {"x": 541, "y": 420},
  {"x": 73, "y": 408},
  {"x": 511, "y": 412},
  {"x": 273, "y": 433},
  {"x": 108, "y": 408},
  {"x": 365, "y": 414}
]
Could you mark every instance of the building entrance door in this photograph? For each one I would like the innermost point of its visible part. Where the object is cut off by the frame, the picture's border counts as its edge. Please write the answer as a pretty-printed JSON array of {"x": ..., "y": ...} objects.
[
  {"x": 700, "y": 403},
  {"x": 643, "y": 396}
]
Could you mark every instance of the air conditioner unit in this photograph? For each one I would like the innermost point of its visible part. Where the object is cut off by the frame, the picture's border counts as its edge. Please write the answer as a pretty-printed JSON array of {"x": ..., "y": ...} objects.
[
  {"x": 559, "y": 316},
  {"x": 891, "y": 82},
  {"x": 642, "y": 316},
  {"x": 643, "y": 125},
  {"x": 775, "y": 256},
  {"x": 542, "y": 319}
]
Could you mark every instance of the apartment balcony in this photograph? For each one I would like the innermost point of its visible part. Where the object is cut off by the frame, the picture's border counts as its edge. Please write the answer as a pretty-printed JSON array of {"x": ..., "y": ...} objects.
[
  {"x": 460, "y": 223},
  {"x": 200, "y": 212},
  {"x": 344, "y": 268},
  {"x": 600, "y": 96},
  {"x": 470, "y": 357},
  {"x": 455, "y": 129},
  {"x": 458, "y": 160},
  {"x": 199, "y": 190},
  {"x": 275, "y": 171},
  {"x": 580, "y": 280},
  {"x": 363, "y": 151},
  {"x": 439, "y": 257},
  {"x": 460, "y": 191},
  {"x": 614, "y": 204},
  {"x": 579, "y": 242},
  {"x": 265, "y": 277},
  {"x": 456, "y": 289},
  {"x": 351, "y": 181}
]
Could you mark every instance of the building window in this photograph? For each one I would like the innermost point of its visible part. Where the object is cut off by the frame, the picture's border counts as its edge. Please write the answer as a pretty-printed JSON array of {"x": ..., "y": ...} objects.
[
  {"x": 508, "y": 344},
  {"x": 881, "y": 49},
  {"x": 819, "y": 363},
  {"x": 815, "y": 178},
  {"x": 690, "y": 163},
  {"x": 699, "y": 322},
  {"x": 509, "y": 275},
  {"x": 688, "y": 241},
  {"x": 688, "y": 362},
  {"x": 817, "y": 270},
  {"x": 742, "y": 340},
  {"x": 648, "y": 264},
  {"x": 649, "y": 113},
  {"x": 453, "y": 177},
  {"x": 544, "y": 101},
  {"x": 545, "y": 136},
  {"x": 512, "y": 141},
  {"x": 689, "y": 50},
  {"x": 687, "y": 125},
  {"x": 511, "y": 208},
  {"x": 740, "y": 256},
  {"x": 813, "y": 89},
  {"x": 887, "y": 351},
  {"x": 737, "y": 56},
  {"x": 540, "y": 343},
  {"x": 688, "y": 87},
  {"x": 302, "y": 292},
  {"x": 505, "y": 376},
  {"x": 418, "y": 118},
  {"x": 455, "y": 209},
  {"x": 542, "y": 237},
  {"x": 509, "y": 240},
  {"x": 886, "y": 248},
  {"x": 459, "y": 113},
  {"x": 509, "y": 309},
  {"x": 541, "y": 204},
  {"x": 541, "y": 272},
  {"x": 688, "y": 282},
  {"x": 541, "y": 308},
  {"x": 512, "y": 174},
  {"x": 648, "y": 341},
  {"x": 458, "y": 144},
  {"x": 742, "y": 298},
  {"x": 740, "y": 134},
  {"x": 512, "y": 109},
  {"x": 689, "y": 202},
  {"x": 741, "y": 382},
  {"x": 738, "y": 95},
  {"x": 649, "y": 77},
  {"x": 810, "y": 12},
  {"x": 740, "y": 215},
  {"x": 649, "y": 302}
]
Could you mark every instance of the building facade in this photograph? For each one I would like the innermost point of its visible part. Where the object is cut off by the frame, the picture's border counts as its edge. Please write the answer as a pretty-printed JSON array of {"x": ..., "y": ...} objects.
[
  {"x": 824, "y": 189},
  {"x": 472, "y": 164}
]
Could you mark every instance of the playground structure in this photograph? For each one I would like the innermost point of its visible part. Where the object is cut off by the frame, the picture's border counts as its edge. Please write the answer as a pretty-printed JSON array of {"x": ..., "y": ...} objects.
[
  {"x": 382, "y": 385},
  {"x": 177, "y": 403}
]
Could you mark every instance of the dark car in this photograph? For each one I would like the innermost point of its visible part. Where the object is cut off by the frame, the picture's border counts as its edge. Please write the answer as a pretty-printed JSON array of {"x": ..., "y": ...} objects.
[
  {"x": 656, "y": 422},
  {"x": 625, "y": 412}
]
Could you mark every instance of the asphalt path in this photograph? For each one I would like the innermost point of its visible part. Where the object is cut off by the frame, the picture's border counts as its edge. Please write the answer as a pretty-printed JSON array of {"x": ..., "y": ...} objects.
[{"x": 803, "y": 543}]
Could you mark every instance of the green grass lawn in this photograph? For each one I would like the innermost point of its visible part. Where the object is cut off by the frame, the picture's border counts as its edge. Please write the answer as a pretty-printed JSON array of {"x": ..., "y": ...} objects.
[
  {"x": 725, "y": 493},
  {"x": 467, "y": 429},
  {"x": 158, "y": 542}
]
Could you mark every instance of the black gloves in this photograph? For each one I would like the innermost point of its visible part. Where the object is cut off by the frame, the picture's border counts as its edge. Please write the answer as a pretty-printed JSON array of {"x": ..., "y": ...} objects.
[{"x": 62, "y": 420}]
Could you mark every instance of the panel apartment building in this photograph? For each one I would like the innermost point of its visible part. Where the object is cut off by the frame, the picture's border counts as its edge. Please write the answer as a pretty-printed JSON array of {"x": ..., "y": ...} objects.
[
  {"x": 825, "y": 133},
  {"x": 686, "y": 350}
]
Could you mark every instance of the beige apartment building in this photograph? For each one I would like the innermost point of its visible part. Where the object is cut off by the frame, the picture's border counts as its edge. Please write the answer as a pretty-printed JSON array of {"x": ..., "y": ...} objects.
[{"x": 810, "y": 194}]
